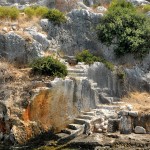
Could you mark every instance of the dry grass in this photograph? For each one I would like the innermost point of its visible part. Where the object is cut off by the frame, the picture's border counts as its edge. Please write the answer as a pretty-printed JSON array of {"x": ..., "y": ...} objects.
[
  {"x": 139, "y": 101},
  {"x": 8, "y": 72},
  {"x": 21, "y": 23}
]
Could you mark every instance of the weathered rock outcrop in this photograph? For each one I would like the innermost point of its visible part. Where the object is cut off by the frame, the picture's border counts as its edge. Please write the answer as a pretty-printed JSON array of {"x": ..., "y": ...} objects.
[
  {"x": 20, "y": 49},
  {"x": 77, "y": 34}
]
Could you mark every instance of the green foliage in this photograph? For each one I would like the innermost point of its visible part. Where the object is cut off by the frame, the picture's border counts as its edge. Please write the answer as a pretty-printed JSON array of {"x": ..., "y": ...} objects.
[
  {"x": 143, "y": 8},
  {"x": 122, "y": 4},
  {"x": 107, "y": 64},
  {"x": 128, "y": 30},
  {"x": 38, "y": 11},
  {"x": 88, "y": 58},
  {"x": 41, "y": 11},
  {"x": 121, "y": 74},
  {"x": 56, "y": 16},
  {"x": 48, "y": 66},
  {"x": 146, "y": 8},
  {"x": 29, "y": 11},
  {"x": 9, "y": 13}
]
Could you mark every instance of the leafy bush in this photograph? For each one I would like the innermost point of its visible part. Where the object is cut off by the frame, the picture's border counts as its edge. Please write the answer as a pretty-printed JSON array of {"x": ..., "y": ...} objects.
[
  {"x": 29, "y": 11},
  {"x": 9, "y": 13},
  {"x": 41, "y": 11},
  {"x": 38, "y": 11},
  {"x": 88, "y": 58},
  {"x": 48, "y": 66},
  {"x": 126, "y": 29},
  {"x": 56, "y": 16},
  {"x": 146, "y": 8}
]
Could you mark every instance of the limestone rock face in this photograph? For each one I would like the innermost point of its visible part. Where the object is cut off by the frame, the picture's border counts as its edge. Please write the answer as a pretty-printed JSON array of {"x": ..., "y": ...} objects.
[
  {"x": 19, "y": 49},
  {"x": 77, "y": 34},
  {"x": 140, "y": 130},
  {"x": 39, "y": 37}
]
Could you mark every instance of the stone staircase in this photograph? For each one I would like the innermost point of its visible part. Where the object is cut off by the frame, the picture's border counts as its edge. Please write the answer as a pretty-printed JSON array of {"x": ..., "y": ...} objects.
[
  {"x": 78, "y": 127},
  {"x": 105, "y": 110},
  {"x": 104, "y": 94},
  {"x": 76, "y": 73}
]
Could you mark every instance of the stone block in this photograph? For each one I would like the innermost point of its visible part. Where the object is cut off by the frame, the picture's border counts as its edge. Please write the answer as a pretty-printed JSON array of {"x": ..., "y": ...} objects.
[{"x": 140, "y": 130}]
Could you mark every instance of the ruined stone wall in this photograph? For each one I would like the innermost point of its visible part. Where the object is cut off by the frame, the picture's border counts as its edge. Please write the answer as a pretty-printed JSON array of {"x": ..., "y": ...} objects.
[
  {"x": 60, "y": 104},
  {"x": 134, "y": 79}
]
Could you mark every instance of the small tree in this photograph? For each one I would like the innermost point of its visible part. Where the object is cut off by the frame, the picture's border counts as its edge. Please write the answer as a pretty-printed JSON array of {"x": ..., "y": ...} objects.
[{"x": 128, "y": 30}]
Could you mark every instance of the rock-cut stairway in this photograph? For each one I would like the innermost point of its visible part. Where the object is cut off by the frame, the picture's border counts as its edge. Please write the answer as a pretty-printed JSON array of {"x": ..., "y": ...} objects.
[
  {"x": 101, "y": 111},
  {"x": 78, "y": 126}
]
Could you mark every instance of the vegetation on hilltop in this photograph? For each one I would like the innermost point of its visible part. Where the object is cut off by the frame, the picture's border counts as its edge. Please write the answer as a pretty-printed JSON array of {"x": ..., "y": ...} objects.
[
  {"x": 39, "y": 11},
  {"x": 126, "y": 29},
  {"x": 9, "y": 12}
]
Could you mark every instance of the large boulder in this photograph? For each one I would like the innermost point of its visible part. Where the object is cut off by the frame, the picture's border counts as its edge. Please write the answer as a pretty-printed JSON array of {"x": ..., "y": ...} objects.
[{"x": 19, "y": 49}]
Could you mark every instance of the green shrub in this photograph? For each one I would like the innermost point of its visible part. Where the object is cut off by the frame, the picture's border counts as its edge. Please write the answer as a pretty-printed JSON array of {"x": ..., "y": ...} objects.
[
  {"x": 48, "y": 66},
  {"x": 9, "y": 13},
  {"x": 13, "y": 13},
  {"x": 41, "y": 11},
  {"x": 56, "y": 16},
  {"x": 88, "y": 58},
  {"x": 126, "y": 29},
  {"x": 143, "y": 8},
  {"x": 146, "y": 8},
  {"x": 29, "y": 11}
]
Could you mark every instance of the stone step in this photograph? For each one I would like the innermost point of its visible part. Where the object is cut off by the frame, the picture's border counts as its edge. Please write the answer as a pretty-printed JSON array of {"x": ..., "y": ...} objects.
[
  {"x": 88, "y": 117},
  {"x": 118, "y": 103},
  {"x": 105, "y": 99},
  {"x": 96, "y": 88},
  {"x": 77, "y": 74},
  {"x": 67, "y": 137},
  {"x": 116, "y": 100},
  {"x": 74, "y": 126},
  {"x": 80, "y": 121},
  {"x": 109, "y": 107},
  {"x": 75, "y": 71},
  {"x": 68, "y": 131},
  {"x": 94, "y": 84},
  {"x": 61, "y": 135},
  {"x": 104, "y": 90},
  {"x": 89, "y": 113}
]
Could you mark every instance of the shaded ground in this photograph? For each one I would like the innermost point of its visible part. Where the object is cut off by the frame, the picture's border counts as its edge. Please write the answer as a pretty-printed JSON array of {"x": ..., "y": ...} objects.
[{"x": 113, "y": 141}]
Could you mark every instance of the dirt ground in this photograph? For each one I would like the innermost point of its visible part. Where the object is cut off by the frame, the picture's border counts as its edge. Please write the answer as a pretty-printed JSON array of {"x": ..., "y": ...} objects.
[{"x": 139, "y": 101}]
